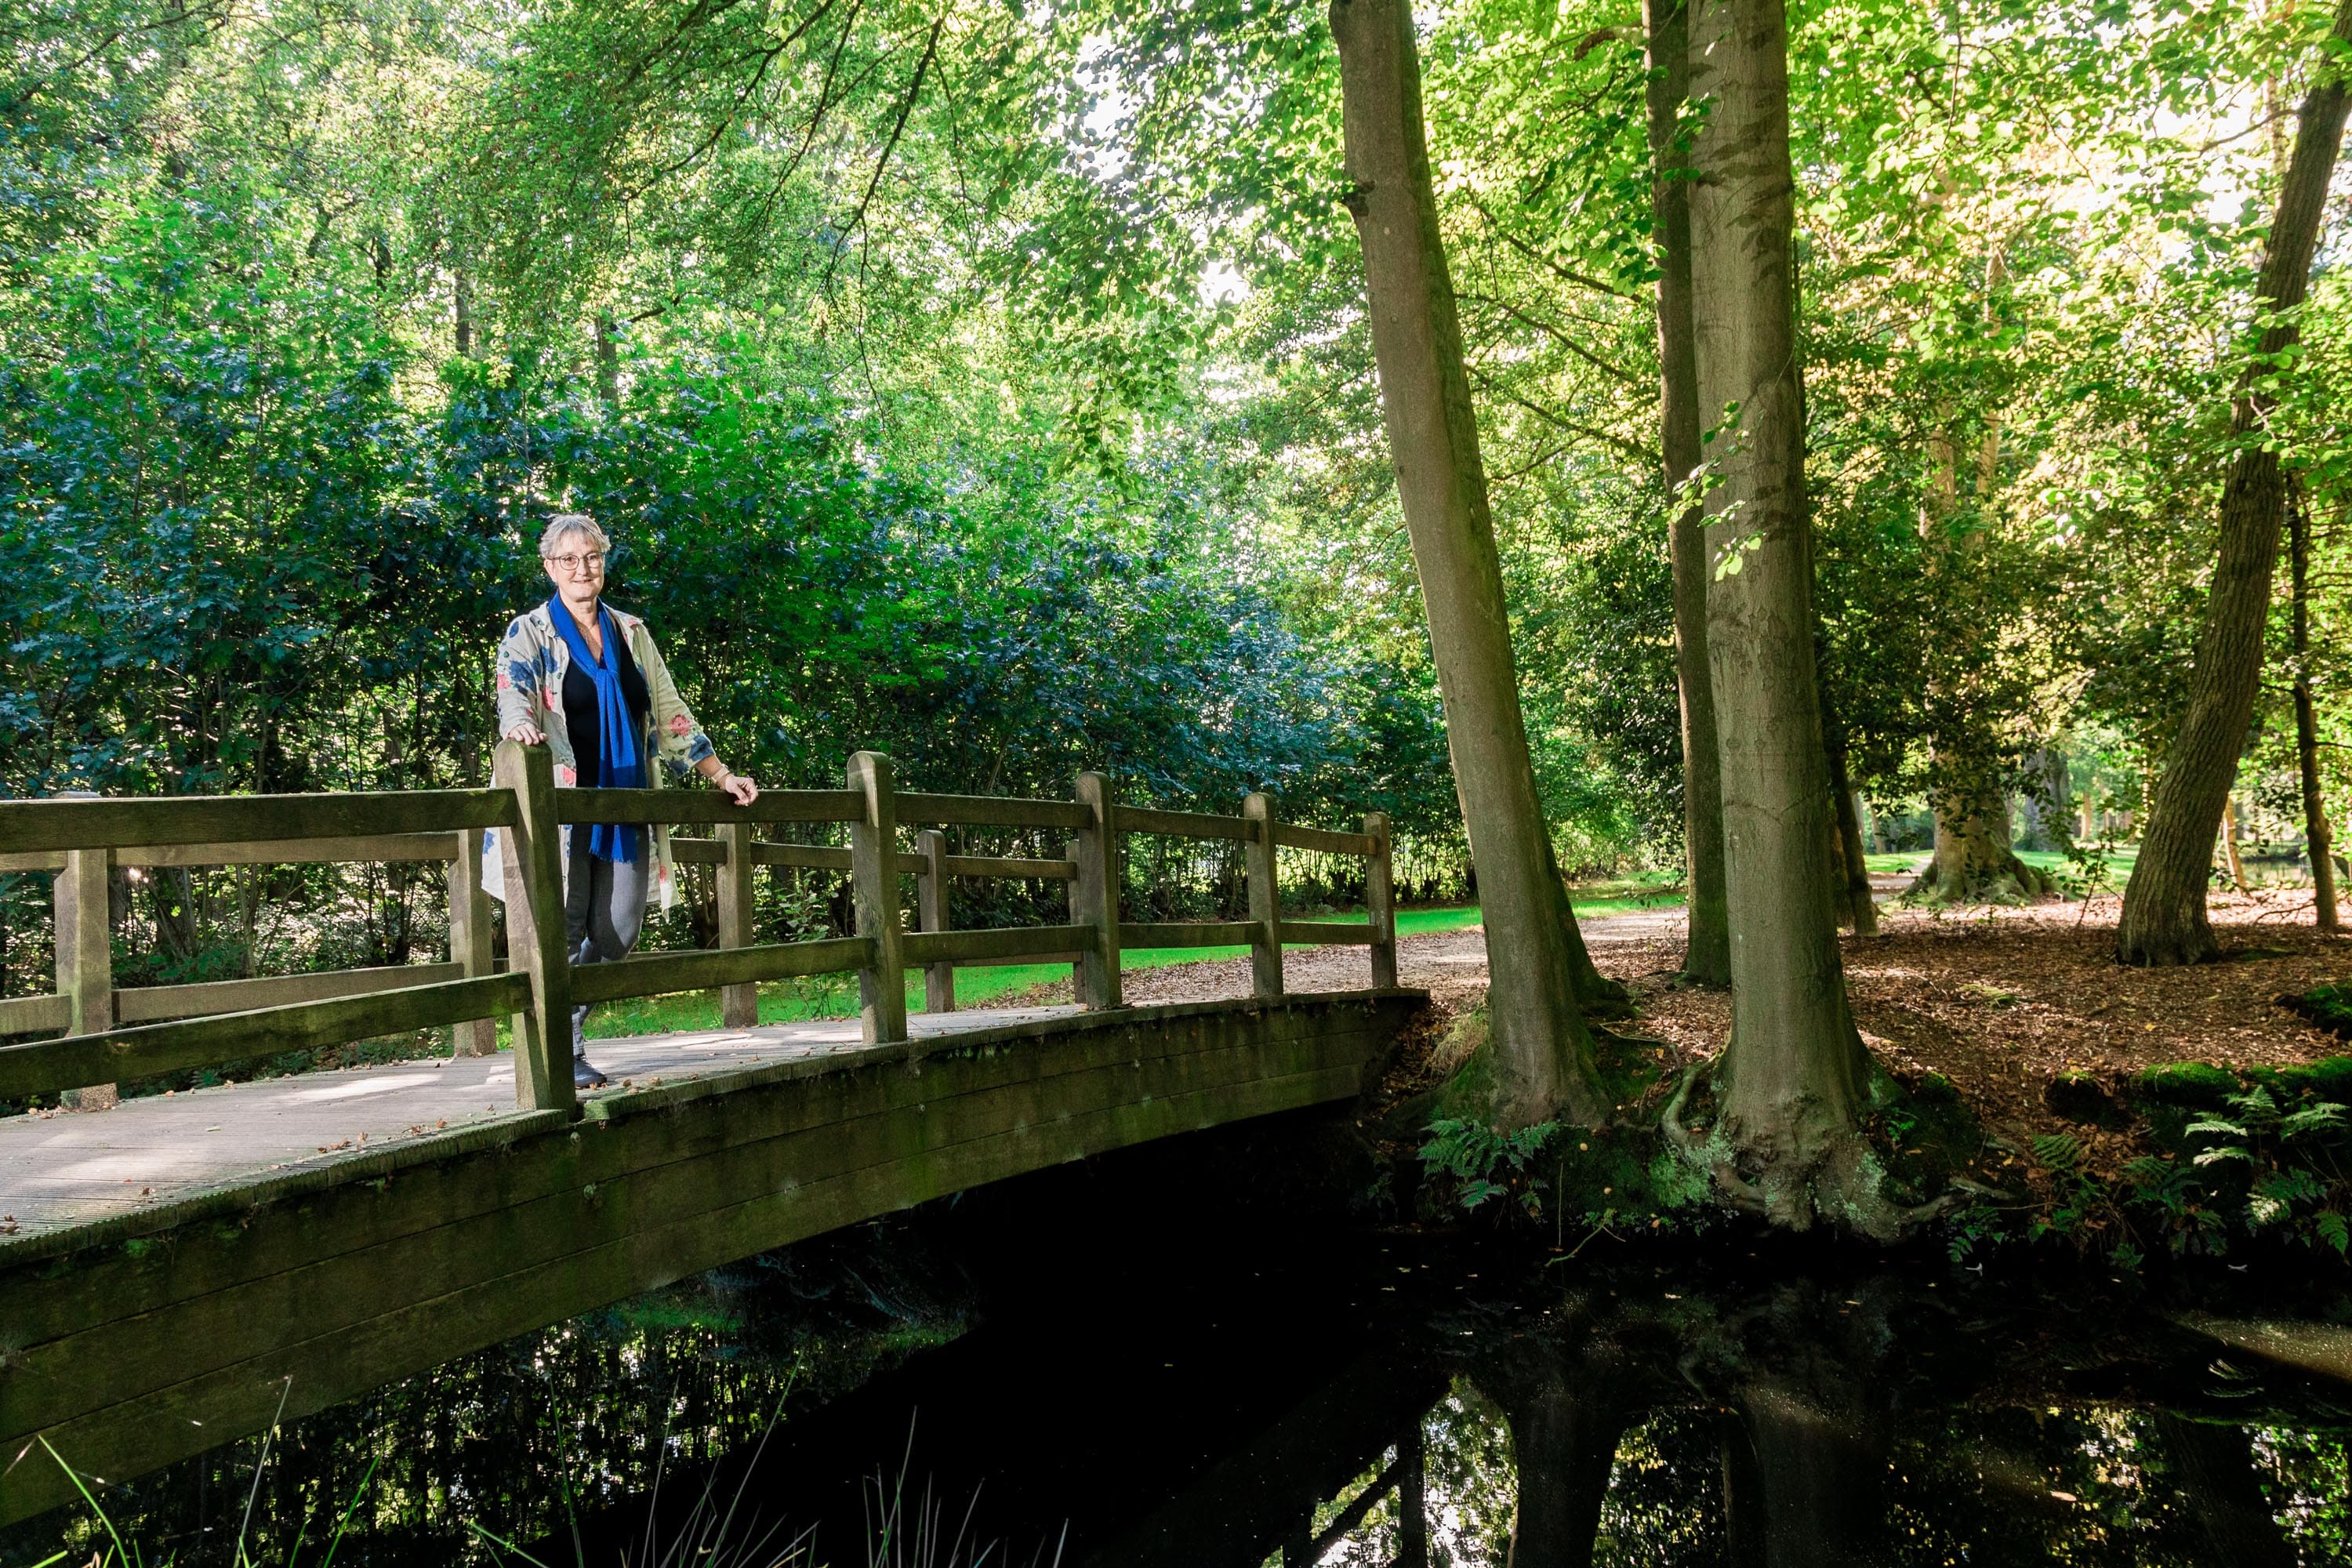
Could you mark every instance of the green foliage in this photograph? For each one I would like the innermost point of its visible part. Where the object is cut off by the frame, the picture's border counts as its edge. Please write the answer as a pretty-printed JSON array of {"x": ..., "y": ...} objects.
[{"x": 1485, "y": 1163}]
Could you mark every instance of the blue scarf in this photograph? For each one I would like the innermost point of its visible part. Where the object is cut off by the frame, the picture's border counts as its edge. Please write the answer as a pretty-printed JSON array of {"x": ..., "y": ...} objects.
[{"x": 620, "y": 762}]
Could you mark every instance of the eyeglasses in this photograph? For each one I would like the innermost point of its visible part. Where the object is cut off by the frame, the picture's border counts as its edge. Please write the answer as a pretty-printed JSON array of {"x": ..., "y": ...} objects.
[{"x": 591, "y": 563}]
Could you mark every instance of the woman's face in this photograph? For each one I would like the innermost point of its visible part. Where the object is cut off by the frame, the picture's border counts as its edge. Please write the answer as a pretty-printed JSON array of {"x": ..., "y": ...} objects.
[{"x": 577, "y": 570}]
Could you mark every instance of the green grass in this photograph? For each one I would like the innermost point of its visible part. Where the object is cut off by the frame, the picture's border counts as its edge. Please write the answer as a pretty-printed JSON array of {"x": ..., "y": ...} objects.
[
  {"x": 835, "y": 996},
  {"x": 2119, "y": 862}
]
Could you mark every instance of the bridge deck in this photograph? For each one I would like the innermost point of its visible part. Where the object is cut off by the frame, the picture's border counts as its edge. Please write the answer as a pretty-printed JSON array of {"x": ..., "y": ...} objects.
[
  {"x": 186, "y": 1269},
  {"x": 63, "y": 1169}
]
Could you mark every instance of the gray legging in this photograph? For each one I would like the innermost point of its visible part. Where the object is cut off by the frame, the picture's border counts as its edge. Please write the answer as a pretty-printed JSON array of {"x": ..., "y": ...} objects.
[{"x": 604, "y": 910}]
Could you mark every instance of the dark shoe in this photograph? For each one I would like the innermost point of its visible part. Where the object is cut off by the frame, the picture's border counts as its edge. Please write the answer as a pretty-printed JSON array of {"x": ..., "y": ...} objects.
[{"x": 586, "y": 1077}]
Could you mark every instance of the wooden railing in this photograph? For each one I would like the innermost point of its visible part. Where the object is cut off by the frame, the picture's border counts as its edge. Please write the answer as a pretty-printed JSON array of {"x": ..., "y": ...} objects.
[{"x": 114, "y": 1036}]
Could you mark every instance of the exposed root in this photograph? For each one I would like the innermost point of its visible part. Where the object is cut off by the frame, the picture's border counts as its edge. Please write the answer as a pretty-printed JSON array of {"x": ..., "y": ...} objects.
[
  {"x": 1734, "y": 1189},
  {"x": 1840, "y": 1186}
]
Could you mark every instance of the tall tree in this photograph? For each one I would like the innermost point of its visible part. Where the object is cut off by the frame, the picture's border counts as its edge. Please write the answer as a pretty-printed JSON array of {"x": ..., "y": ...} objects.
[
  {"x": 2318, "y": 843},
  {"x": 1542, "y": 1059},
  {"x": 2164, "y": 918},
  {"x": 1792, "y": 1080},
  {"x": 1707, "y": 954}
]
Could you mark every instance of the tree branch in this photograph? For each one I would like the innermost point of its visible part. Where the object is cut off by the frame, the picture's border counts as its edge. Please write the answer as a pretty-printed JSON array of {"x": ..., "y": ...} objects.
[{"x": 906, "y": 108}]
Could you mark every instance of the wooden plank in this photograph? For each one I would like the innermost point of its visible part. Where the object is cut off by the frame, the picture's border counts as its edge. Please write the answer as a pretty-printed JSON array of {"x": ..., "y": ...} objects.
[
  {"x": 990, "y": 811},
  {"x": 83, "y": 919},
  {"x": 810, "y": 857},
  {"x": 1186, "y": 933},
  {"x": 1183, "y": 824},
  {"x": 27, "y": 826},
  {"x": 739, "y": 1005},
  {"x": 659, "y": 973},
  {"x": 371, "y": 850},
  {"x": 1264, "y": 897},
  {"x": 537, "y": 943},
  {"x": 1292, "y": 837},
  {"x": 874, "y": 897},
  {"x": 931, "y": 914},
  {"x": 1002, "y": 866},
  {"x": 47, "y": 1066},
  {"x": 1328, "y": 932},
  {"x": 697, "y": 806},
  {"x": 815, "y": 856},
  {"x": 150, "y": 1003},
  {"x": 1380, "y": 903},
  {"x": 1094, "y": 895},
  {"x": 471, "y": 947},
  {"x": 1003, "y": 941},
  {"x": 31, "y": 1015}
]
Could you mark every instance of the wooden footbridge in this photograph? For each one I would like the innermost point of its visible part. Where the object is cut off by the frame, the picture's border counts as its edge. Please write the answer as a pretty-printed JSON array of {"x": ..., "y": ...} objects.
[{"x": 176, "y": 1270}]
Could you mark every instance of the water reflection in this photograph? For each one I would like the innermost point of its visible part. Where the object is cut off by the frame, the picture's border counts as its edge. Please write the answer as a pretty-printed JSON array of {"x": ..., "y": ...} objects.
[{"x": 1239, "y": 1393}]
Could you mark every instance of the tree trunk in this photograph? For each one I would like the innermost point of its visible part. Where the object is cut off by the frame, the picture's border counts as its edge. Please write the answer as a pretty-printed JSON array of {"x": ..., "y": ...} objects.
[
  {"x": 1542, "y": 1051},
  {"x": 2317, "y": 844},
  {"x": 1822, "y": 1470},
  {"x": 2215, "y": 1468},
  {"x": 2164, "y": 919},
  {"x": 1566, "y": 1419},
  {"x": 2230, "y": 844},
  {"x": 462, "y": 288},
  {"x": 1860, "y": 907},
  {"x": 608, "y": 362},
  {"x": 1974, "y": 858},
  {"x": 1707, "y": 952},
  {"x": 1793, "y": 1077}
]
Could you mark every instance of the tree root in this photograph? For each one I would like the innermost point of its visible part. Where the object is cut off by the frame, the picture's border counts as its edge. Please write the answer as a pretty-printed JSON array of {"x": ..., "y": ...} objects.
[{"x": 1835, "y": 1187}]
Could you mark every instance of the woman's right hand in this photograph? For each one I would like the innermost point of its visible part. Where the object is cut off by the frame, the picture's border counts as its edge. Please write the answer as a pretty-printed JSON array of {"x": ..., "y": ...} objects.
[{"x": 529, "y": 733}]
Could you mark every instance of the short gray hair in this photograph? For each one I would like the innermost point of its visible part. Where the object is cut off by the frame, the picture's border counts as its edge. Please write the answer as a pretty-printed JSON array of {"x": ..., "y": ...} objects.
[{"x": 564, "y": 525}]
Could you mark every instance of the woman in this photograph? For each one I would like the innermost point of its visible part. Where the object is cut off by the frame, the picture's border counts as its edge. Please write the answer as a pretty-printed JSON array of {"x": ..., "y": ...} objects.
[{"x": 591, "y": 674}]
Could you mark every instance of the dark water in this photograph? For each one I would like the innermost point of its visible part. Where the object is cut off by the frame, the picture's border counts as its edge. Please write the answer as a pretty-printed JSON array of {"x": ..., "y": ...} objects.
[{"x": 1120, "y": 1365}]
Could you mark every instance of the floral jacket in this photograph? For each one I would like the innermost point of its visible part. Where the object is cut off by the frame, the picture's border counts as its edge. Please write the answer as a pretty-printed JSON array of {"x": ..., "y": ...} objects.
[{"x": 532, "y": 663}]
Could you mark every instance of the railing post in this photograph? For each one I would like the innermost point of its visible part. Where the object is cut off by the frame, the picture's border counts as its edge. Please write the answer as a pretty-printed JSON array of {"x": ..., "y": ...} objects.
[
  {"x": 1094, "y": 895},
  {"x": 86, "y": 954},
  {"x": 738, "y": 1005},
  {"x": 874, "y": 886},
  {"x": 535, "y": 939},
  {"x": 470, "y": 942},
  {"x": 1071, "y": 852},
  {"x": 1264, "y": 899},
  {"x": 931, "y": 914},
  {"x": 1379, "y": 901}
]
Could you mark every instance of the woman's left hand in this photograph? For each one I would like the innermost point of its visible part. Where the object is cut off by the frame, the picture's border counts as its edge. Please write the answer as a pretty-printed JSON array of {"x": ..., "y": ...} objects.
[{"x": 740, "y": 786}]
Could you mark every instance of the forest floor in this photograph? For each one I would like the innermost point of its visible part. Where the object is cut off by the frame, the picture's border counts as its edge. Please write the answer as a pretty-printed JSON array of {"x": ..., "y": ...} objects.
[{"x": 2000, "y": 1000}]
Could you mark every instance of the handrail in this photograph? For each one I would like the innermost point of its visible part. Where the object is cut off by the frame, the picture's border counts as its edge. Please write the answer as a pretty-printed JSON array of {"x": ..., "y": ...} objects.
[
  {"x": 113, "y": 1034},
  {"x": 34, "y": 826}
]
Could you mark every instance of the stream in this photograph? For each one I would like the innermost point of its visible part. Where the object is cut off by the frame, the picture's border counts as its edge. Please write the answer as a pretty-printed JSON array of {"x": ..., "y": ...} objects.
[{"x": 1178, "y": 1358}]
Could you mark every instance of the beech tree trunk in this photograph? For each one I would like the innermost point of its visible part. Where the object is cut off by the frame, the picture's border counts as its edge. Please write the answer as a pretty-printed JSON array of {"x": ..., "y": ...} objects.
[
  {"x": 2214, "y": 1466},
  {"x": 1860, "y": 908},
  {"x": 2164, "y": 919},
  {"x": 1542, "y": 1051},
  {"x": 2318, "y": 845},
  {"x": 1707, "y": 952},
  {"x": 1564, "y": 1438},
  {"x": 1823, "y": 1469},
  {"x": 1795, "y": 1074}
]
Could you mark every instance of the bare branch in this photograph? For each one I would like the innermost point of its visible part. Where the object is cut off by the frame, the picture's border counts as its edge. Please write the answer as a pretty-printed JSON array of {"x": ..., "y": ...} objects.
[{"x": 906, "y": 108}]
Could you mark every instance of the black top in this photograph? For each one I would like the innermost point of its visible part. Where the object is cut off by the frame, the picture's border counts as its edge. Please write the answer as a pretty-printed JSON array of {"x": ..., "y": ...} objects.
[{"x": 583, "y": 717}]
